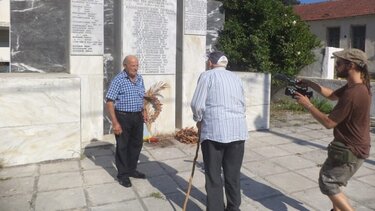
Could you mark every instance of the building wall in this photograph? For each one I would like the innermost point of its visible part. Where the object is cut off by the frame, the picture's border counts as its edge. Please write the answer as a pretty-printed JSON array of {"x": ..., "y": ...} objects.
[
  {"x": 319, "y": 28},
  {"x": 5, "y": 13}
]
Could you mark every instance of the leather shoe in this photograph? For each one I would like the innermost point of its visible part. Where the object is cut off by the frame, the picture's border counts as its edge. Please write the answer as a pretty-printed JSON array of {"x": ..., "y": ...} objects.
[
  {"x": 139, "y": 175},
  {"x": 125, "y": 182}
]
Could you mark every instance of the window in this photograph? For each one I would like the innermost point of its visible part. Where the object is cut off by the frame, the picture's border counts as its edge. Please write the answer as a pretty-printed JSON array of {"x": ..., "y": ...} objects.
[
  {"x": 333, "y": 37},
  {"x": 4, "y": 38},
  {"x": 358, "y": 37}
]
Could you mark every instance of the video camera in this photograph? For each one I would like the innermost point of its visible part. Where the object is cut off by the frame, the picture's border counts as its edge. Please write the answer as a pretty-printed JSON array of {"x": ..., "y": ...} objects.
[{"x": 293, "y": 86}]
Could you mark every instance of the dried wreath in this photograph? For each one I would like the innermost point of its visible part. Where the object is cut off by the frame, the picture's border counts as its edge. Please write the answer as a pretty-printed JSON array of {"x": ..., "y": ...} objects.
[{"x": 153, "y": 106}]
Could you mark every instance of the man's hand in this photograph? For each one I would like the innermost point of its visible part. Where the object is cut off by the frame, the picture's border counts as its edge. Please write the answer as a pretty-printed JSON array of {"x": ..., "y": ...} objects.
[
  {"x": 303, "y": 100},
  {"x": 303, "y": 82},
  {"x": 117, "y": 130}
]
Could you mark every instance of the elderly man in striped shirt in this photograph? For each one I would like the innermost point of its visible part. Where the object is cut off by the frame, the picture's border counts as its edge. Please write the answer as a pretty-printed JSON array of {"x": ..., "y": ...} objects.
[{"x": 218, "y": 107}]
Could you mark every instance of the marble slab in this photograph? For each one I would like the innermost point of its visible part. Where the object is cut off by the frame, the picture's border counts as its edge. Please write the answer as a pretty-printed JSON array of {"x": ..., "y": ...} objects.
[
  {"x": 215, "y": 23},
  {"x": 39, "y": 36},
  {"x": 28, "y": 99},
  {"x": 40, "y": 117},
  {"x": 36, "y": 143}
]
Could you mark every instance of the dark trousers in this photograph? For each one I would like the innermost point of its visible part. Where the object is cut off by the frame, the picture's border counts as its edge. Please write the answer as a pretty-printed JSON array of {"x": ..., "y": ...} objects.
[
  {"x": 229, "y": 157},
  {"x": 128, "y": 143}
]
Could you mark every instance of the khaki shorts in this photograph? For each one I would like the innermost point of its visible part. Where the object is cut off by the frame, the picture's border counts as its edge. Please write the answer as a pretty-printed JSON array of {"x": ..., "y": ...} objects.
[{"x": 333, "y": 175}]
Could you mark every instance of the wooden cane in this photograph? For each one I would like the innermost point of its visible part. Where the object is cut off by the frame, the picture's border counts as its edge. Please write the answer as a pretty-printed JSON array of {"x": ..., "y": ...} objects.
[{"x": 192, "y": 174}]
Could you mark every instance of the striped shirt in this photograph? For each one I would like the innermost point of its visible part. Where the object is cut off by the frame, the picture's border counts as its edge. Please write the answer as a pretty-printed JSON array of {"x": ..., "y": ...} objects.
[
  {"x": 219, "y": 103},
  {"x": 128, "y": 96}
]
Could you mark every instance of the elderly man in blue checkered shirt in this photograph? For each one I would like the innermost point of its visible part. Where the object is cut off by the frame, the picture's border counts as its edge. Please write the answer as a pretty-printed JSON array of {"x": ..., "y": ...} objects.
[{"x": 124, "y": 101}]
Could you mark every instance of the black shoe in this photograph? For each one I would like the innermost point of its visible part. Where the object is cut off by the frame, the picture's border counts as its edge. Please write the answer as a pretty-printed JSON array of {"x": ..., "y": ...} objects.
[
  {"x": 125, "y": 182},
  {"x": 139, "y": 175}
]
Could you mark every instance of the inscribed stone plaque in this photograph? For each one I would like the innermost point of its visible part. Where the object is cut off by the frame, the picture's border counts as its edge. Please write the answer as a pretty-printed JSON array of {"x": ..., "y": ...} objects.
[
  {"x": 149, "y": 32},
  {"x": 195, "y": 17},
  {"x": 86, "y": 27}
]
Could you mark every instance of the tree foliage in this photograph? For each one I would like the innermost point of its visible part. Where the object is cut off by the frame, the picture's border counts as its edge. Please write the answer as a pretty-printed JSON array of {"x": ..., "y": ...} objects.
[
  {"x": 291, "y": 2},
  {"x": 265, "y": 36}
]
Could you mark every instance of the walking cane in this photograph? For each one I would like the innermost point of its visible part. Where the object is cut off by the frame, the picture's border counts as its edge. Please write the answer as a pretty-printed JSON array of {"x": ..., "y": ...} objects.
[{"x": 192, "y": 173}]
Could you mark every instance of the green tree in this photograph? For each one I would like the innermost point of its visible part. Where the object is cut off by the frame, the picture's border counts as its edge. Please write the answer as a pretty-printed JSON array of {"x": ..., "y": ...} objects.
[
  {"x": 265, "y": 36},
  {"x": 291, "y": 2}
]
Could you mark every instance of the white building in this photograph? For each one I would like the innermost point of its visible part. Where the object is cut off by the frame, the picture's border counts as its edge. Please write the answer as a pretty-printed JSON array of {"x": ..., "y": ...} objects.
[{"x": 343, "y": 24}]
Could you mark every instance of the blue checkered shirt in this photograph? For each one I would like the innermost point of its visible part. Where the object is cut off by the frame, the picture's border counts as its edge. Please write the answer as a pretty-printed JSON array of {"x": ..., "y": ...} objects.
[{"x": 128, "y": 96}]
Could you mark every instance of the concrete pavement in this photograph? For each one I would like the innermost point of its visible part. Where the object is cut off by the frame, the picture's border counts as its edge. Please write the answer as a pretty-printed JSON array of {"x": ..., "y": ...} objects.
[{"x": 280, "y": 172}]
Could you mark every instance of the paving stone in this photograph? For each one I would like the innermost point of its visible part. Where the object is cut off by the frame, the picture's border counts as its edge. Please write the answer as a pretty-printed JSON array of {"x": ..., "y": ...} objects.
[
  {"x": 257, "y": 188},
  {"x": 311, "y": 173},
  {"x": 166, "y": 153},
  {"x": 152, "y": 168},
  {"x": 145, "y": 156},
  {"x": 120, "y": 206},
  {"x": 263, "y": 168},
  {"x": 99, "y": 176},
  {"x": 296, "y": 147},
  {"x": 19, "y": 202},
  {"x": 98, "y": 162},
  {"x": 245, "y": 173},
  {"x": 59, "y": 181},
  {"x": 283, "y": 202},
  {"x": 369, "y": 179},
  {"x": 177, "y": 165},
  {"x": 360, "y": 191},
  {"x": 317, "y": 156},
  {"x": 60, "y": 199},
  {"x": 153, "y": 203},
  {"x": 108, "y": 193},
  {"x": 251, "y": 155},
  {"x": 290, "y": 181},
  {"x": 184, "y": 177},
  {"x": 18, "y": 171},
  {"x": 293, "y": 162},
  {"x": 57, "y": 167},
  {"x": 314, "y": 198},
  {"x": 363, "y": 171},
  {"x": 318, "y": 134},
  {"x": 272, "y": 151},
  {"x": 273, "y": 139},
  {"x": 163, "y": 184},
  {"x": 12, "y": 186},
  {"x": 98, "y": 151}
]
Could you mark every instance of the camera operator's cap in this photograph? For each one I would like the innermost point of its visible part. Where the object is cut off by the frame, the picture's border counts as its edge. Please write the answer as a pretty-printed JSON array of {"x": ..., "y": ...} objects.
[
  {"x": 218, "y": 57},
  {"x": 354, "y": 55}
]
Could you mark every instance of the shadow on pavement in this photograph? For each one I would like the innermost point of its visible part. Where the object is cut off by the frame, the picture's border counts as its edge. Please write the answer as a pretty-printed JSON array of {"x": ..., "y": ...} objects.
[
  {"x": 268, "y": 196},
  {"x": 160, "y": 175},
  {"x": 303, "y": 142},
  {"x": 170, "y": 184}
]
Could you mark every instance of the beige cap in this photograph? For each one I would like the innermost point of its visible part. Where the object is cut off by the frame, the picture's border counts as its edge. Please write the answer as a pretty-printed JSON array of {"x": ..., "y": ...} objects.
[{"x": 354, "y": 55}]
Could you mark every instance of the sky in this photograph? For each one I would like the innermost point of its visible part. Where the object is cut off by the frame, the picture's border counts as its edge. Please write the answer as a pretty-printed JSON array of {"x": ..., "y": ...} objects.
[{"x": 310, "y": 1}]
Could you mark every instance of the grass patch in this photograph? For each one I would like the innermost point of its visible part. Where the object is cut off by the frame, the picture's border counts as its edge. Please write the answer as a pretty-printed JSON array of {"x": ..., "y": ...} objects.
[
  {"x": 287, "y": 105},
  {"x": 290, "y": 105},
  {"x": 157, "y": 195},
  {"x": 323, "y": 105}
]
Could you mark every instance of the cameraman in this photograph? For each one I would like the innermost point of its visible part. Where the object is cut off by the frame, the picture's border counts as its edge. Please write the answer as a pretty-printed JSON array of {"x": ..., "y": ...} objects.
[{"x": 350, "y": 119}]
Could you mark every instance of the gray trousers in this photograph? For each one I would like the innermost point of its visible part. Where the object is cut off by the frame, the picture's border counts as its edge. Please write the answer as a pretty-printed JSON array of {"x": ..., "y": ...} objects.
[{"x": 217, "y": 156}]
